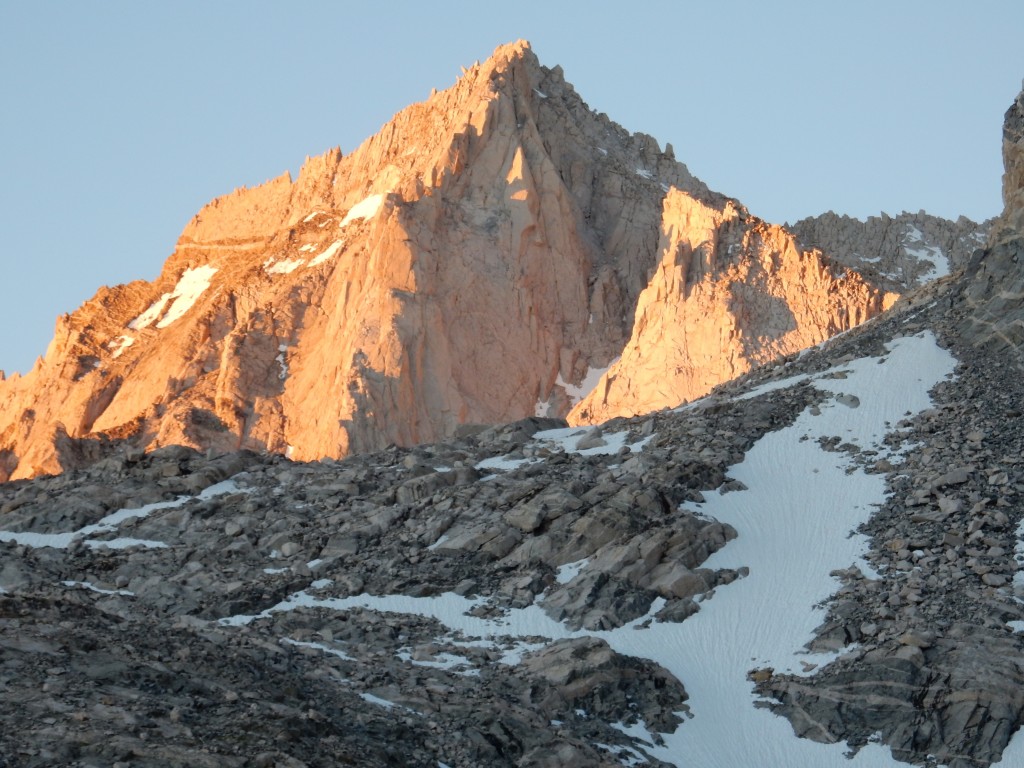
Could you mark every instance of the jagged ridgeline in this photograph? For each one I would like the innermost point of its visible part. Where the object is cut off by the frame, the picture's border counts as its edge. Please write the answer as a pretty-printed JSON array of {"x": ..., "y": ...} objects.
[{"x": 497, "y": 251}]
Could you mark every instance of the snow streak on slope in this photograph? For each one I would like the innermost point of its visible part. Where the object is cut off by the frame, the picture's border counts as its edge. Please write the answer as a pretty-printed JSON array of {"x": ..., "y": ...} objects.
[
  {"x": 190, "y": 287},
  {"x": 111, "y": 523},
  {"x": 914, "y": 245},
  {"x": 794, "y": 527},
  {"x": 364, "y": 209},
  {"x": 329, "y": 253}
]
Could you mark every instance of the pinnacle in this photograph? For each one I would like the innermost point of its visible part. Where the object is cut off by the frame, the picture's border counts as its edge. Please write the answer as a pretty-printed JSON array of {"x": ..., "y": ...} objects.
[
  {"x": 508, "y": 54},
  {"x": 517, "y": 49}
]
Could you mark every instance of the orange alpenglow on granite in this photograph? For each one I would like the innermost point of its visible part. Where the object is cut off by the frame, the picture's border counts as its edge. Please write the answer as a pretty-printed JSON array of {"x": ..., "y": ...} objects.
[{"x": 484, "y": 257}]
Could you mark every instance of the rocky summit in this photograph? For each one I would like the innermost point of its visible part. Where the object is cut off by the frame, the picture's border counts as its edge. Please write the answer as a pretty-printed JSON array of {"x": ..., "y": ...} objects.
[
  {"x": 759, "y": 542},
  {"x": 496, "y": 252}
]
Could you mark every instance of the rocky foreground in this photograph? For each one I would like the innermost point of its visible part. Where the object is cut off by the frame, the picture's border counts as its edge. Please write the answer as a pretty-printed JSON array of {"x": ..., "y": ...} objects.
[{"x": 229, "y": 620}]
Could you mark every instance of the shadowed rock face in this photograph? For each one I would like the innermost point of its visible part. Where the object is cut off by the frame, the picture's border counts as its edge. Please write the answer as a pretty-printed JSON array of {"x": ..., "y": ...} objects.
[
  {"x": 995, "y": 291},
  {"x": 483, "y": 258}
]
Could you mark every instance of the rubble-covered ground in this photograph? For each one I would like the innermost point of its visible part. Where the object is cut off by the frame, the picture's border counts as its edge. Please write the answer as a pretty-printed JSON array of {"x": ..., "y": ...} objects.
[{"x": 541, "y": 596}]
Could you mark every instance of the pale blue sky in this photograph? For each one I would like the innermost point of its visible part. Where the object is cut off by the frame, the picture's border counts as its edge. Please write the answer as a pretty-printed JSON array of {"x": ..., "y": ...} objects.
[{"x": 119, "y": 120}]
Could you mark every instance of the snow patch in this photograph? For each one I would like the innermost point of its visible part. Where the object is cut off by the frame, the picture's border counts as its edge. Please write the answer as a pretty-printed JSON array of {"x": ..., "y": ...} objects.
[
  {"x": 318, "y": 647},
  {"x": 172, "y": 306},
  {"x": 364, "y": 209},
  {"x": 570, "y": 571},
  {"x": 591, "y": 379},
  {"x": 284, "y": 267},
  {"x": 93, "y": 588},
  {"x": 441, "y": 541},
  {"x": 282, "y": 351},
  {"x": 923, "y": 252},
  {"x": 328, "y": 253},
  {"x": 502, "y": 462},
  {"x": 150, "y": 315},
  {"x": 384, "y": 702},
  {"x": 792, "y": 533},
  {"x": 110, "y": 523},
  {"x": 120, "y": 344},
  {"x": 460, "y": 665},
  {"x": 567, "y": 438},
  {"x": 126, "y": 543}
]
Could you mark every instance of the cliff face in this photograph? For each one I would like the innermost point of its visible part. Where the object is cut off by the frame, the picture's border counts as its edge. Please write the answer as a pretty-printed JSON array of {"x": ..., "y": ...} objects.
[
  {"x": 730, "y": 292},
  {"x": 482, "y": 258},
  {"x": 996, "y": 282}
]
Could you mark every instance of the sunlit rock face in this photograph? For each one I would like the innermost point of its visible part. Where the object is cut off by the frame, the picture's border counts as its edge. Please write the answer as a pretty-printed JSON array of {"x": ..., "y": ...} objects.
[
  {"x": 486, "y": 256},
  {"x": 730, "y": 292}
]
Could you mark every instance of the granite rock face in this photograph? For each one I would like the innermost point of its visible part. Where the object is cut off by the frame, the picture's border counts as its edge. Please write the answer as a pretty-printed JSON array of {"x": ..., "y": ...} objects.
[
  {"x": 486, "y": 256},
  {"x": 729, "y": 293}
]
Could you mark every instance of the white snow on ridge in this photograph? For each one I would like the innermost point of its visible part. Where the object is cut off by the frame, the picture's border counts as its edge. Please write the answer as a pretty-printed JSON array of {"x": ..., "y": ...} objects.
[
  {"x": 154, "y": 311},
  {"x": 283, "y": 267},
  {"x": 930, "y": 253},
  {"x": 171, "y": 306},
  {"x": 328, "y": 253},
  {"x": 364, "y": 209},
  {"x": 793, "y": 524},
  {"x": 120, "y": 344}
]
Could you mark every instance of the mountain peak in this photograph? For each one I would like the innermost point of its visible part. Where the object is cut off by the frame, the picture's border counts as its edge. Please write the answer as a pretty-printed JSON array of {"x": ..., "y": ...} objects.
[
  {"x": 486, "y": 256},
  {"x": 519, "y": 49}
]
